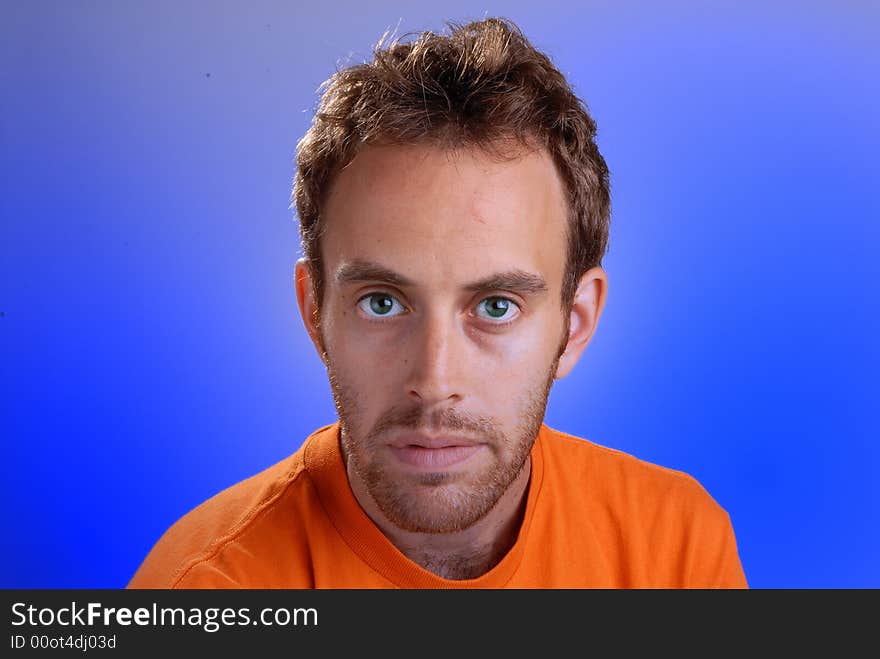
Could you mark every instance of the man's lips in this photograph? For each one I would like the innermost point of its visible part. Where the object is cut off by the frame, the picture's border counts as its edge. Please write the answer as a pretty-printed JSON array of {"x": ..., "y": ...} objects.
[{"x": 431, "y": 453}]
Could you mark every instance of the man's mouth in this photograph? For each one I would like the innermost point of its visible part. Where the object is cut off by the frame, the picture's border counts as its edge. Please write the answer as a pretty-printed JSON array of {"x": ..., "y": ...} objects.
[{"x": 432, "y": 453}]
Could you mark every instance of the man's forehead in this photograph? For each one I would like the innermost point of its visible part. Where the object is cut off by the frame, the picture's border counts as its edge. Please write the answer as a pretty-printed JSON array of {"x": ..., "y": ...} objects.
[
  {"x": 423, "y": 215},
  {"x": 428, "y": 180}
]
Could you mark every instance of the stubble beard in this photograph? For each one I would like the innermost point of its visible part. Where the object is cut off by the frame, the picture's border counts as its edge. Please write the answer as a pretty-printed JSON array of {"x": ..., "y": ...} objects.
[{"x": 438, "y": 502}]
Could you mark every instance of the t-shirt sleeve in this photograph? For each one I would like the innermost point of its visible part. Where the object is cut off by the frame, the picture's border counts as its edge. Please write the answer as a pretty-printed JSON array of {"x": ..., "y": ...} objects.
[{"x": 715, "y": 561}]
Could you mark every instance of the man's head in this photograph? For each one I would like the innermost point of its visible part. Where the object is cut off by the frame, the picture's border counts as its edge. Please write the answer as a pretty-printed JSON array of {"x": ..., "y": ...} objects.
[{"x": 454, "y": 211}]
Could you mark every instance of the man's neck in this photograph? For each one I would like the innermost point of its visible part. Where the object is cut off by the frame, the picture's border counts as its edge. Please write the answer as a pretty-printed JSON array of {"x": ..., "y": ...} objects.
[{"x": 465, "y": 554}]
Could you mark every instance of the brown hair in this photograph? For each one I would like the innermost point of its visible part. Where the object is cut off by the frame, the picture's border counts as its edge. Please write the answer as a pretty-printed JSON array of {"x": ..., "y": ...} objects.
[{"x": 479, "y": 86}]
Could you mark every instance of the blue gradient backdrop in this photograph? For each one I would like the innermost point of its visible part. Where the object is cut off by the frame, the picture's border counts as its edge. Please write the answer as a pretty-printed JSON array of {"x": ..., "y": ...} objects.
[{"x": 151, "y": 352}]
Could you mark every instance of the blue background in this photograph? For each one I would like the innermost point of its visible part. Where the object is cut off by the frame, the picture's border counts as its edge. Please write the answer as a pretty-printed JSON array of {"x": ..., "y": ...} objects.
[{"x": 151, "y": 351}]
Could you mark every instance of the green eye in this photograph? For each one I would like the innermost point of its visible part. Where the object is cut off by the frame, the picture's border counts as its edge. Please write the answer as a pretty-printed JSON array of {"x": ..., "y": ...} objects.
[
  {"x": 380, "y": 305},
  {"x": 497, "y": 308}
]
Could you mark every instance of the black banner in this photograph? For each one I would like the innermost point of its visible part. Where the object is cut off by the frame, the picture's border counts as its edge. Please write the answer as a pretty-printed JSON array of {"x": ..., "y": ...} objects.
[{"x": 126, "y": 623}]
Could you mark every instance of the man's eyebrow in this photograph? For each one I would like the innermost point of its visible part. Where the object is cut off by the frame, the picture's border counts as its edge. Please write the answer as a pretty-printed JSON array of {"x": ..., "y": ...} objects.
[
  {"x": 357, "y": 271},
  {"x": 516, "y": 280}
]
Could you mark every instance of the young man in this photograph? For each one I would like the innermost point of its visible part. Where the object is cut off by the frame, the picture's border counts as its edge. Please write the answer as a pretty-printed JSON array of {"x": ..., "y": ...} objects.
[{"x": 454, "y": 211}]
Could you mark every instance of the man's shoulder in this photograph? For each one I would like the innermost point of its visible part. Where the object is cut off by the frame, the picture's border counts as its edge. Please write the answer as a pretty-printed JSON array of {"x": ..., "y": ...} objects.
[
  {"x": 665, "y": 527},
  {"x": 205, "y": 530},
  {"x": 606, "y": 471}
]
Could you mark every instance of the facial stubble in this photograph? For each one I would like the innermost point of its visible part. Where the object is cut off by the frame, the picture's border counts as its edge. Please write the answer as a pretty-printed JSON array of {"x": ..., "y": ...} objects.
[{"x": 439, "y": 502}]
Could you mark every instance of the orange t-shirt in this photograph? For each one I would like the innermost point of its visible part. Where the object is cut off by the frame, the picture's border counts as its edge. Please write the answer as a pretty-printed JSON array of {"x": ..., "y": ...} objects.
[{"x": 594, "y": 518}]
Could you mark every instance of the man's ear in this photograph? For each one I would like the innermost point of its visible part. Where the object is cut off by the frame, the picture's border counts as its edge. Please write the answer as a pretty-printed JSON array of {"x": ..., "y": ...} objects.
[
  {"x": 308, "y": 306},
  {"x": 589, "y": 300}
]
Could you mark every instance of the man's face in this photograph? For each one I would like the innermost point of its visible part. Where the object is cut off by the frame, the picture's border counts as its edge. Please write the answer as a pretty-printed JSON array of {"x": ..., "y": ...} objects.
[{"x": 441, "y": 323}]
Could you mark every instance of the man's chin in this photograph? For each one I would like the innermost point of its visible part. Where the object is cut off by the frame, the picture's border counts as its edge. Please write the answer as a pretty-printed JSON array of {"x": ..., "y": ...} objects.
[
  {"x": 433, "y": 480},
  {"x": 434, "y": 505},
  {"x": 432, "y": 522}
]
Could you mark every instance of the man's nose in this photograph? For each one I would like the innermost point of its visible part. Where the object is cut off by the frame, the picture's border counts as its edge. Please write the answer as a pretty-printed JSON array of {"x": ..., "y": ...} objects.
[{"x": 436, "y": 359}]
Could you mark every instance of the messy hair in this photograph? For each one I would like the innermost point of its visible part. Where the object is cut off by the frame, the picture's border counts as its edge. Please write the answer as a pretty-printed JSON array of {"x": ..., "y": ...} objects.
[{"x": 480, "y": 86}]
